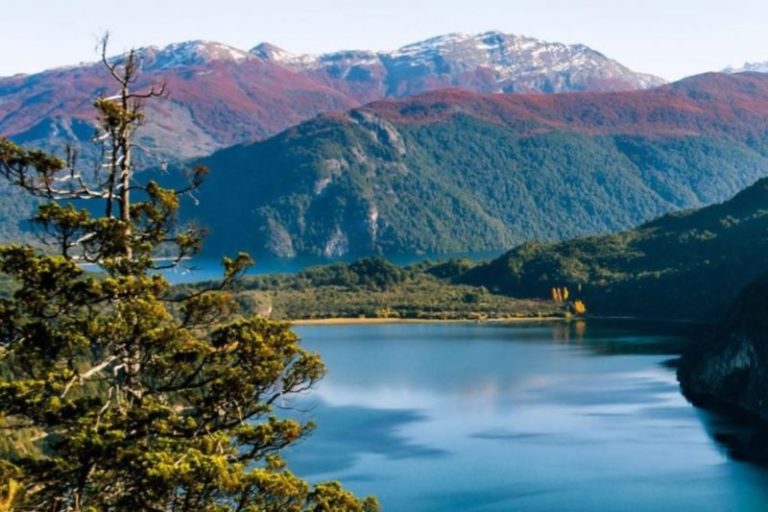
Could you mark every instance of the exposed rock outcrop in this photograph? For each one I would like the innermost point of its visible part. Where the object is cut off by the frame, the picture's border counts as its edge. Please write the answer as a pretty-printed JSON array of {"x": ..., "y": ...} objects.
[{"x": 731, "y": 369}]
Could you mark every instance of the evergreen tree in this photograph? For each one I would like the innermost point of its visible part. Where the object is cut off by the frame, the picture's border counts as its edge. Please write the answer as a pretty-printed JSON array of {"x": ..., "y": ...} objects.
[{"x": 138, "y": 399}]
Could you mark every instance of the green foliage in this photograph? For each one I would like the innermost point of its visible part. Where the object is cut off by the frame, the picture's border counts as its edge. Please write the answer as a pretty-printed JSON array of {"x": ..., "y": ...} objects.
[
  {"x": 375, "y": 288},
  {"x": 450, "y": 268},
  {"x": 362, "y": 185},
  {"x": 689, "y": 264},
  {"x": 122, "y": 396},
  {"x": 370, "y": 273}
]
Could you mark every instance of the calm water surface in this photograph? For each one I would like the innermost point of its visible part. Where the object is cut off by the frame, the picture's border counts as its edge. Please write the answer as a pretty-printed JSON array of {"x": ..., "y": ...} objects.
[{"x": 463, "y": 417}]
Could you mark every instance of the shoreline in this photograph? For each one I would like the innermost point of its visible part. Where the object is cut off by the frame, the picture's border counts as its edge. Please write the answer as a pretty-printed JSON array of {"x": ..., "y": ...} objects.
[
  {"x": 373, "y": 321},
  {"x": 510, "y": 320}
]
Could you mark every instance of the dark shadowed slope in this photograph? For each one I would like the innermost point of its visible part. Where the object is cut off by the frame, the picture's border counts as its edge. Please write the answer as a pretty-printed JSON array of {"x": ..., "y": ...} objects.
[{"x": 730, "y": 369}]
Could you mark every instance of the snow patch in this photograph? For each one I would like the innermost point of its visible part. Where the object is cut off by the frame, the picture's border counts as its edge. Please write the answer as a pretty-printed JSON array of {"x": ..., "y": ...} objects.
[
  {"x": 749, "y": 67},
  {"x": 189, "y": 53}
]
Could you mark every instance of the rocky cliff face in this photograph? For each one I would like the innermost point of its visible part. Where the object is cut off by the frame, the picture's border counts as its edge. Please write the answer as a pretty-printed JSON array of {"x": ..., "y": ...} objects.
[{"x": 731, "y": 369}]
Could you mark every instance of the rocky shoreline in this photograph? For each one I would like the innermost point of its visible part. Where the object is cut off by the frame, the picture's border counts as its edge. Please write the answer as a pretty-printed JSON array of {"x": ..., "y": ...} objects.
[{"x": 730, "y": 369}]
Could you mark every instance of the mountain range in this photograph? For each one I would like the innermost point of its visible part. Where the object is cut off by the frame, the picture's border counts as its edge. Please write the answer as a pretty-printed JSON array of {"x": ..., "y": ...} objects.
[
  {"x": 491, "y": 62},
  {"x": 485, "y": 165},
  {"x": 455, "y": 171},
  {"x": 220, "y": 95}
]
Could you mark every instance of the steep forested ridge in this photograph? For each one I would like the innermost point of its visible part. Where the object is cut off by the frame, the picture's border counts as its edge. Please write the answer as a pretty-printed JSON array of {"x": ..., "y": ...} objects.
[
  {"x": 689, "y": 264},
  {"x": 457, "y": 171}
]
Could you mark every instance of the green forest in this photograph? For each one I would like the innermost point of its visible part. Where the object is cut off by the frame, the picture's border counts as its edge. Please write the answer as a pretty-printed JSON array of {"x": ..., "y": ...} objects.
[
  {"x": 362, "y": 185},
  {"x": 375, "y": 288},
  {"x": 685, "y": 265}
]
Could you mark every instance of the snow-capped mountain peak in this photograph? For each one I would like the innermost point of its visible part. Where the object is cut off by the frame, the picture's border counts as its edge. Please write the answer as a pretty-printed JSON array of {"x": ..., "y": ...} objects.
[
  {"x": 431, "y": 44},
  {"x": 488, "y": 62},
  {"x": 268, "y": 51},
  {"x": 190, "y": 53},
  {"x": 749, "y": 67}
]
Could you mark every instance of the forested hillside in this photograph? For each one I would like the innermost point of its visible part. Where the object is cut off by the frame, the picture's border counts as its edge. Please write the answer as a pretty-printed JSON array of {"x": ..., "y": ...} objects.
[
  {"x": 456, "y": 171},
  {"x": 687, "y": 265}
]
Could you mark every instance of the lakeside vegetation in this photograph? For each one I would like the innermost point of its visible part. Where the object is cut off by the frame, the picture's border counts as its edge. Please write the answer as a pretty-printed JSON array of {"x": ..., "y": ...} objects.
[{"x": 375, "y": 288}]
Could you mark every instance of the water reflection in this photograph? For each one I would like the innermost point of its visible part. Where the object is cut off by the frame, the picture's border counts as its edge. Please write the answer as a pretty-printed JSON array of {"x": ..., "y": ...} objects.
[
  {"x": 350, "y": 431},
  {"x": 741, "y": 438},
  {"x": 498, "y": 417},
  {"x": 619, "y": 337}
]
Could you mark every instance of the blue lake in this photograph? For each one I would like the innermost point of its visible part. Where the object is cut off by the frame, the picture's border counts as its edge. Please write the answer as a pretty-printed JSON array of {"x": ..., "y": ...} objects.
[{"x": 487, "y": 417}]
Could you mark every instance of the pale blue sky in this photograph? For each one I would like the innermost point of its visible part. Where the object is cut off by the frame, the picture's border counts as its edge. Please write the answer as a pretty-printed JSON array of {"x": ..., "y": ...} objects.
[{"x": 670, "y": 38}]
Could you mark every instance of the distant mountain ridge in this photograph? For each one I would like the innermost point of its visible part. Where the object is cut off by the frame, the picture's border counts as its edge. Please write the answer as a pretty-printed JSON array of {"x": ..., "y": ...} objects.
[
  {"x": 456, "y": 171},
  {"x": 490, "y": 62},
  {"x": 749, "y": 67},
  {"x": 220, "y": 95}
]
